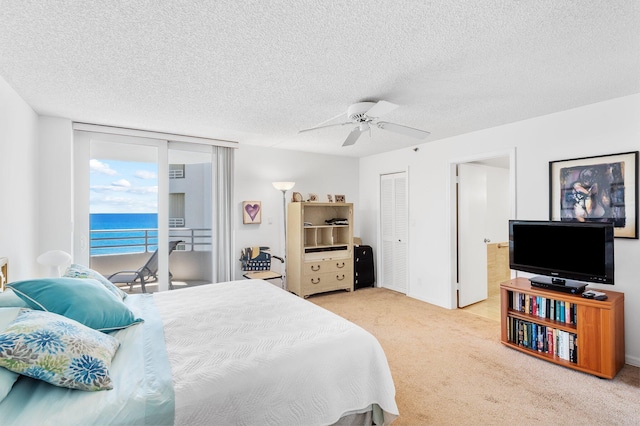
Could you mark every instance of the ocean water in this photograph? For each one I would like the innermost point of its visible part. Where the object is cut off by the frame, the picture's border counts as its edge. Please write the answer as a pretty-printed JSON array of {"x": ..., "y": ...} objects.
[{"x": 126, "y": 233}]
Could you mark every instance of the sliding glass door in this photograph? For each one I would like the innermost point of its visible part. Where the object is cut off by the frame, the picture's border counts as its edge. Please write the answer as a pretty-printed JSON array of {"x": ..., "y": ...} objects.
[
  {"x": 143, "y": 204},
  {"x": 190, "y": 212}
]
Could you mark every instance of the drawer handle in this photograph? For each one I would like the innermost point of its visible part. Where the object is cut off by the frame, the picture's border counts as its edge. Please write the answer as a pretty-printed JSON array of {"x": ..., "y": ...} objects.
[
  {"x": 338, "y": 277},
  {"x": 313, "y": 281},
  {"x": 340, "y": 266},
  {"x": 315, "y": 268}
]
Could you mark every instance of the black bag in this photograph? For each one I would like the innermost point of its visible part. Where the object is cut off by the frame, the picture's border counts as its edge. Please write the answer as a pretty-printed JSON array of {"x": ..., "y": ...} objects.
[{"x": 364, "y": 273}]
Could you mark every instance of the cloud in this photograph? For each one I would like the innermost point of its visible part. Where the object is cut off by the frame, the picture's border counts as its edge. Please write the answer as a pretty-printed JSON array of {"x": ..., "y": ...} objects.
[
  {"x": 103, "y": 168},
  {"x": 145, "y": 174},
  {"x": 123, "y": 188},
  {"x": 122, "y": 183}
]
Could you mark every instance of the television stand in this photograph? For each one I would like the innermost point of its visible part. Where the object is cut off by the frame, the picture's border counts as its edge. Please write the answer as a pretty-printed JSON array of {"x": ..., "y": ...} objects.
[
  {"x": 598, "y": 326},
  {"x": 555, "y": 284}
]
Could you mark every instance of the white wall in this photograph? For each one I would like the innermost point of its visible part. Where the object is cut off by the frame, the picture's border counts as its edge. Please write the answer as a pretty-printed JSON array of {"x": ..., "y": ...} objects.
[
  {"x": 257, "y": 167},
  {"x": 604, "y": 128},
  {"x": 18, "y": 183},
  {"x": 55, "y": 192}
]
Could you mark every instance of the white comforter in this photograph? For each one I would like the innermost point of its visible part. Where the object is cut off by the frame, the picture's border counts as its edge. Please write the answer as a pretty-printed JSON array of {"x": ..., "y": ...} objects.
[{"x": 247, "y": 352}]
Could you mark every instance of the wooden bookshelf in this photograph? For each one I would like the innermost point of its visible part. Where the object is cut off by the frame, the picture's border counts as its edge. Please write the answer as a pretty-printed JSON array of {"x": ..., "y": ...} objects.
[{"x": 598, "y": 328}]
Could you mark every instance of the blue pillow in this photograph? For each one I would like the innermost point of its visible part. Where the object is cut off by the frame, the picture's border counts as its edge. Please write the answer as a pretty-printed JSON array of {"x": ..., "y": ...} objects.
[
  {"x": 82, "y": 299},
  {"x": 7, "y": 377},
  {"x": 8, "y": 299},
  {"x": 79, "y": 271},
  {"x": 57, "y": 350}
]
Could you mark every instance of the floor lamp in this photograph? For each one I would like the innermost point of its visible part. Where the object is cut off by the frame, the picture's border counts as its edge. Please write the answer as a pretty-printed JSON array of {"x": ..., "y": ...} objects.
[{"x": 284, "y": 187}]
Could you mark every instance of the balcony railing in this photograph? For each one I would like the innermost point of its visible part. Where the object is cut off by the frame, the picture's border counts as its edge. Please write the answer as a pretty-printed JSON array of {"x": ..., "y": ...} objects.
[{"x": 125, "y": 241}]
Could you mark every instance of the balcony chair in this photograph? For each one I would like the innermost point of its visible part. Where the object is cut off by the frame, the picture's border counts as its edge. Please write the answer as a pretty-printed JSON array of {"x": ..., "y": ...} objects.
[
  {"x": 146, "y": 274},
  {"x": 256, "y": 262}
]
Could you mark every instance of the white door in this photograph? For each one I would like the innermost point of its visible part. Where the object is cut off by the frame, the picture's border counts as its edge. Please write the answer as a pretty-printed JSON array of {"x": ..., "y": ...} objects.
[
  {"x": 472, "y": 253},
  {"x": 394, "y": 212}
]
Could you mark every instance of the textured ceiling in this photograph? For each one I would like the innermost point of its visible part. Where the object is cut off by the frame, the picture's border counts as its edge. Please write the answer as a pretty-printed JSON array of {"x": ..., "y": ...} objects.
[{"x": 256, "y": 72}]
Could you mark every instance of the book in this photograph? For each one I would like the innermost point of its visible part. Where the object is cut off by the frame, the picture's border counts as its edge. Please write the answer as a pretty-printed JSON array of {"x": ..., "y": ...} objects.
[
  {"x": 549, "y": 340},
  {"x": 540, "y": 338}
]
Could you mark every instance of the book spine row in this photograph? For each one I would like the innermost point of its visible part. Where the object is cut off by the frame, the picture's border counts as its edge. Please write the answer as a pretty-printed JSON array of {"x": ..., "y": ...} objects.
[
  {"x": 544, "y": 307},
  {"x": 540, "y": 338}
]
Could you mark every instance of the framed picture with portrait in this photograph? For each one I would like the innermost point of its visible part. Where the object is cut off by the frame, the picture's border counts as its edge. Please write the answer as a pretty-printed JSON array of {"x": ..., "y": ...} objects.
[
  {"x": 340, "y": 198},
  {"x": 596, "y": 189}
]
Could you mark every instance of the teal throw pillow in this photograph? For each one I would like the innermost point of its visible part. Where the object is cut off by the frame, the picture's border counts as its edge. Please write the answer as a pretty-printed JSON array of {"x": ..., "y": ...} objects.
[
  {"x": 78, "y": 271},
  {"x": 57, "y": 350},
  {"x": 81, "y": 299}
]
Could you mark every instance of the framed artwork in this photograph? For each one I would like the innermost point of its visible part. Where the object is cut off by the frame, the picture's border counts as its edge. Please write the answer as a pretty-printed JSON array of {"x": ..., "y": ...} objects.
[
  {"x": 296, "y": 197},
  {"x": 251, "y": 212},
  {"x": 596, "y": 189},
  {"x": 339, "y": 198}
]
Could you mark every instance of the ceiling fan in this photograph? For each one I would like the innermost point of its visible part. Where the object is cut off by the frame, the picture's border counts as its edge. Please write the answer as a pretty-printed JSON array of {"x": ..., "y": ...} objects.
[{"x": 364, "y": 115}]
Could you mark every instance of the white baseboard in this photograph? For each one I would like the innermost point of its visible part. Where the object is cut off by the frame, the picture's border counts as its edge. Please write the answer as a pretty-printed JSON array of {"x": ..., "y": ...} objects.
[{"x": 632, "y": 360}]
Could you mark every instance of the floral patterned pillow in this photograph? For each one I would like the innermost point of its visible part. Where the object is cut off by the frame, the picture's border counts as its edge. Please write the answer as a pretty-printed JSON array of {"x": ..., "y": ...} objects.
[
  {"x": 57, "y": 350},
  {"x": 79, "y": 271}
]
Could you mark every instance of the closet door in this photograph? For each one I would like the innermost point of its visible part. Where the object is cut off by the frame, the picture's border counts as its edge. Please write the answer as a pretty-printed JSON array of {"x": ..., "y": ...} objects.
[{"x": 393, "y": 220}]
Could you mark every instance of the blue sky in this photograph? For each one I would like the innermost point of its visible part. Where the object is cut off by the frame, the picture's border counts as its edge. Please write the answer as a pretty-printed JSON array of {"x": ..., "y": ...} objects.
[{"x": 123, "y": 187}]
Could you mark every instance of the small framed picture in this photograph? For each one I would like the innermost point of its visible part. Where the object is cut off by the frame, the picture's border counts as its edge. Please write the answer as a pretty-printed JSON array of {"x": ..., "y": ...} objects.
[
  {"x": 251, "y": 212},
  {"x": 296, "y": 197},
  {"x": 329, "y": 198},
  {"x": 339, "y": 198},
  {"x": 313, "y": 197}
]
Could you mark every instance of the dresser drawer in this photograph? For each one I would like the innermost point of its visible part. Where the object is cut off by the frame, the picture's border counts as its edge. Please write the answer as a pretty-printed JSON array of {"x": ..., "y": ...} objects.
[
  {"x": 327, "y": 281},
  {"x": 320, "y": 267}
]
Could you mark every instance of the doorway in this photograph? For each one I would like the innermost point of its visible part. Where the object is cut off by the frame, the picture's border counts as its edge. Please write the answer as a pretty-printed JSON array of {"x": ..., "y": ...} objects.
[{"x": 484, "y": 202}]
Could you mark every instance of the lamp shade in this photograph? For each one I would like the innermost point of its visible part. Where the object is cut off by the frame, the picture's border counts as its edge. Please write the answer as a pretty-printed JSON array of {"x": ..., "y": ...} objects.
[
  {"x": 54, "y": 259},
  {"x": 283, "y": 186}
]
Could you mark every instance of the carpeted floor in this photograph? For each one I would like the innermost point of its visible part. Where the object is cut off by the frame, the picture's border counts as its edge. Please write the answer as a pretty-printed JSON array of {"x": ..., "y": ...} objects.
[{"x": 450, "y": 368}]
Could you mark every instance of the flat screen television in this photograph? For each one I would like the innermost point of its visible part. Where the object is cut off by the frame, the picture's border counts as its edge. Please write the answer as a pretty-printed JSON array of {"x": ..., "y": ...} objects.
[{"x": 566, "y": 255}]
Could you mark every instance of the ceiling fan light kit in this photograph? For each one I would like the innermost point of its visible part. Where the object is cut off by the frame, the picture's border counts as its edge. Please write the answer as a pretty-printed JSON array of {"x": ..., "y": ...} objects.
[{"x": 363, "y": 115}]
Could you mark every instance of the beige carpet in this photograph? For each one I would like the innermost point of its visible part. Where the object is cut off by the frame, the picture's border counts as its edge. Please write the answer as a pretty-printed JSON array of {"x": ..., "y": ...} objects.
[{"x": 449, "y": 367}]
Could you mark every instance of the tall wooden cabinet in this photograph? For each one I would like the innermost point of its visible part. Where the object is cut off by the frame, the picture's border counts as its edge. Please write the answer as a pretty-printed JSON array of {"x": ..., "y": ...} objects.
[
  {"x": 566, "y": 329},
  {"x": 319, "y": 247}
]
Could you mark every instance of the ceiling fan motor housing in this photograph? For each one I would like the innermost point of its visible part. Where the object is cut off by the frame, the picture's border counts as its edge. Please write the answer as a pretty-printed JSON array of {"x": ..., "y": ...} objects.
[{"x": 357, "y": 112}]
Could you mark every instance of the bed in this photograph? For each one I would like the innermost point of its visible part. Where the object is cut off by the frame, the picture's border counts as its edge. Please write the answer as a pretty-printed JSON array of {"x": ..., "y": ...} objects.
[{"x": 241, "y": 352}]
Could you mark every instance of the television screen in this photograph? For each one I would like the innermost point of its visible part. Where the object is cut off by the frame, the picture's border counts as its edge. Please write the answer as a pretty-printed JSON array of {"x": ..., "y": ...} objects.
[{"x": 581, "y": 251}]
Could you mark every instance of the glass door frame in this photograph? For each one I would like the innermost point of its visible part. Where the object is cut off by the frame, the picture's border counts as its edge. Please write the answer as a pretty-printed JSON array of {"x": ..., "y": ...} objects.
[{"x": 81, "y": 190}]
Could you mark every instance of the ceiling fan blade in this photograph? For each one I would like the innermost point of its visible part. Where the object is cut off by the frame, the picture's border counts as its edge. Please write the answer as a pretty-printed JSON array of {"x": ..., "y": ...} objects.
[
  {"x": 353, "y": 136},
  {"x": 409, "y": 131},
  {"x": 322, "y": 127},
  {"x": 381, "y": 108}
]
